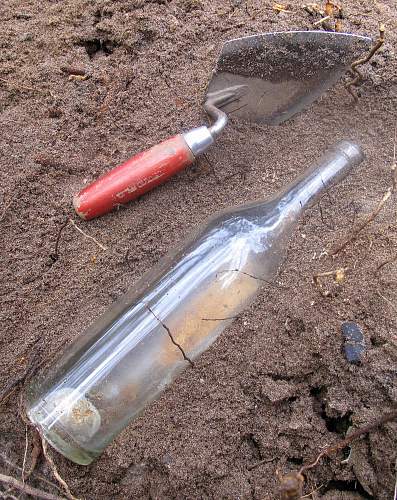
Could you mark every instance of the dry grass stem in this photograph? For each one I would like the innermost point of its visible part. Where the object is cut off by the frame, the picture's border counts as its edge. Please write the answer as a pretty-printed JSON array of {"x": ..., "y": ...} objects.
[{"x": 87, "y": 235}]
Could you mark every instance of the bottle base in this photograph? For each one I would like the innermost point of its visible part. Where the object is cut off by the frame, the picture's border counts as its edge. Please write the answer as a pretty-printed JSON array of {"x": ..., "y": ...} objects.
[{"x": 73, "y": 452}]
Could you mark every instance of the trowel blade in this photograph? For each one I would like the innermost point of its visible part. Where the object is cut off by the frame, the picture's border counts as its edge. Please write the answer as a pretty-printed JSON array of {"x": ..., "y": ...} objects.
[{"x": 284, "y": 72}]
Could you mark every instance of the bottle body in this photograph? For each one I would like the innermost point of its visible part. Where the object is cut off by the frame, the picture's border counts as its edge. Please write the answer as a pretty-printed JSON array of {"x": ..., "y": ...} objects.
[{"x": 174, "y": 313}]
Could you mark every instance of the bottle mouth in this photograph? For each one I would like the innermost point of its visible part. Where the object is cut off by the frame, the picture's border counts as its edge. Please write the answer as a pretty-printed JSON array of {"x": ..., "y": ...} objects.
[{"x": 351, "y": 150}]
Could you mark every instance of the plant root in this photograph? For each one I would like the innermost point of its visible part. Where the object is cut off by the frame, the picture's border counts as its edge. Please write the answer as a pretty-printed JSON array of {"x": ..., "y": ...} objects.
[
  {"x": 25, "y": 488},
  {"x": 55, "y": 256},
  {"x": 87, "y": 235},
  {"x": 57, "y": 476},
  {"x": 364, "y": 223},
  {"x": 291, "y": 486},
  {"x": 358, "y": 78},
  {"x": 36, "y": 453},
  {"x": 38, "y": 477}
]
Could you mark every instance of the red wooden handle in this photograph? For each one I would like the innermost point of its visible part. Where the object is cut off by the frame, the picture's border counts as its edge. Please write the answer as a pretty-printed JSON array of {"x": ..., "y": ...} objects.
[{"x": 136, "y": 176}]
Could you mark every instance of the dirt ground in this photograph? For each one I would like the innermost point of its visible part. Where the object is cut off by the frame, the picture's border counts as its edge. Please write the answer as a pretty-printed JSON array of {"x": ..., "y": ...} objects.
[{"x": 276, "y": 386}]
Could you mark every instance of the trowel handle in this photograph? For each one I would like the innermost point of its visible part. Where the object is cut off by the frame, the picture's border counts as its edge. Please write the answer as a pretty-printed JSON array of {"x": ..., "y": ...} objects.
[{"x": 139, "y": 174}]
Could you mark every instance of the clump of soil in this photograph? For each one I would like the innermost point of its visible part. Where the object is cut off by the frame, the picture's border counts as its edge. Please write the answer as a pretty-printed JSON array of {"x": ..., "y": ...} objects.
[{"x": 276, "y": 386}]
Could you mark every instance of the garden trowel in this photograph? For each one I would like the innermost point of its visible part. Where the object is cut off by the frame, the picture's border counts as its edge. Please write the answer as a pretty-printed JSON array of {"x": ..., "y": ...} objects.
[{"x": 264, "y": 78}]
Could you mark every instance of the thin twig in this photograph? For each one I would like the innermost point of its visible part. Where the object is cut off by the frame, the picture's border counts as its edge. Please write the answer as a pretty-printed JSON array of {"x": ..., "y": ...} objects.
[
  {"x": 292, "y": 483},
  {"x": 87, "y": 235},
  {"x": 52, "y": 465},
  {"x": 251, "y": 276},
  {"x": 363, "y": 224},
  {"x": 209, "y": 163},
  {"x": 25, "y": 488}
]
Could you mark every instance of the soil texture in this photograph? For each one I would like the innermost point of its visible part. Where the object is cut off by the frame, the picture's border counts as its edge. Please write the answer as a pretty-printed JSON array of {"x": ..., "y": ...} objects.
[{"x": 84, "y": 84}]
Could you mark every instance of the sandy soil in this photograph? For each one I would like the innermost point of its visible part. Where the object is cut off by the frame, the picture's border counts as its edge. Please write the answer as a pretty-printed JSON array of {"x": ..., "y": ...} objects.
[{"x": 276, "y": 385}]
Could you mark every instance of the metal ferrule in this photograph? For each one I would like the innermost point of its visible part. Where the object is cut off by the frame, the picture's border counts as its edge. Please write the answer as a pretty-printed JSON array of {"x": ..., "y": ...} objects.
[{"x": 198, "y": 139}]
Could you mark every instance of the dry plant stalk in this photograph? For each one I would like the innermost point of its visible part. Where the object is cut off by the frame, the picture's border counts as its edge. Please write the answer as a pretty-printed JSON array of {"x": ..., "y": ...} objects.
[{"x": 358, "y": 77}]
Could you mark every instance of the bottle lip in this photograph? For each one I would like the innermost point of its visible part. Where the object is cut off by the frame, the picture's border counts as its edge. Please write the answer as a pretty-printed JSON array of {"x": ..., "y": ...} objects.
[{"x": 352, "y": 150}]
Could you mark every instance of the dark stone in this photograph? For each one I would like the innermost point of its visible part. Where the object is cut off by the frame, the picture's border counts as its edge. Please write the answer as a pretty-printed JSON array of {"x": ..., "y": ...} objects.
[{"x": 354, "y": 342}]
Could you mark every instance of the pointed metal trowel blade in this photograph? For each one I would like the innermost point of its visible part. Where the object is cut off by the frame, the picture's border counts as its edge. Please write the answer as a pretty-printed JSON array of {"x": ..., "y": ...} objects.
[{"x": 284, "y": 72}]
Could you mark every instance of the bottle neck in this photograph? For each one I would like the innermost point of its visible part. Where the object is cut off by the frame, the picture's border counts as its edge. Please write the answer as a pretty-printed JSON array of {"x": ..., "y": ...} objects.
[{"x": 336, "y": 163}]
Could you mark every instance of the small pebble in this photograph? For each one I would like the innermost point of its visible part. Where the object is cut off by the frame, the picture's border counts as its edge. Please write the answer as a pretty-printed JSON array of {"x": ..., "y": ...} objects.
[
  {"x": 26, "y": 37},
  {"x": 354, "y": 342}
]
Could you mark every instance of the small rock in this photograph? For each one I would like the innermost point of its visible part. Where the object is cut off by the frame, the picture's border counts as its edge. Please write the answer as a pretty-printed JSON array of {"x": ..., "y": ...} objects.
[
  {"x": 354, "y": 342},
  {"x": 277, "y": 390},
  {"x": 26, "y": 37}
]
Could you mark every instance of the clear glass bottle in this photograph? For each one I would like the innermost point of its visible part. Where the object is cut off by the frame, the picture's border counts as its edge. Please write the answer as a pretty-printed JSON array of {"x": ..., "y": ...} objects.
[{"x": 175, "y": 312}]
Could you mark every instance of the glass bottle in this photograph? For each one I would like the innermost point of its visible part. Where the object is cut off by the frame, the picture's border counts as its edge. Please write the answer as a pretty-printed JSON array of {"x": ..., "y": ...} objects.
[{"x": 175, "y": 312}]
